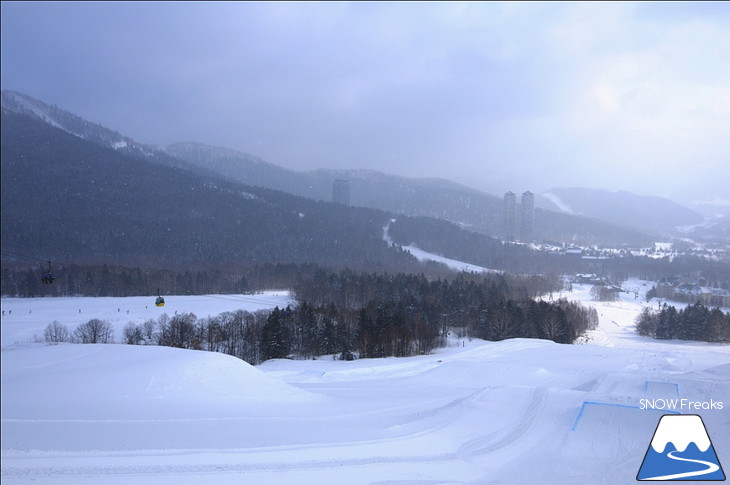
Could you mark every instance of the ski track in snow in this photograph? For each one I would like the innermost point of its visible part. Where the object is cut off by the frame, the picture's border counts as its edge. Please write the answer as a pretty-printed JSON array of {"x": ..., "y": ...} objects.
[{"x": 473, "y": 412}]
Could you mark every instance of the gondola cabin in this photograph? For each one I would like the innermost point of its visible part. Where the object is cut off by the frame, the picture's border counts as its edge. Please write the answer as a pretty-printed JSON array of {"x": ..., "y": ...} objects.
[
  {"x": 160, "y": 301},
  {"x": 48, "y": 277}
]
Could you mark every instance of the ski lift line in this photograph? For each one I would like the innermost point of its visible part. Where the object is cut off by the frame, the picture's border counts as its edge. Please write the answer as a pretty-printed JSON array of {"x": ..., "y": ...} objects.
[
  {"x": 28, "y": 258},
  {"x": 47, "y": 277},
  {"x": 235, "y": 298},
  {"x": 243, "y": 299}
]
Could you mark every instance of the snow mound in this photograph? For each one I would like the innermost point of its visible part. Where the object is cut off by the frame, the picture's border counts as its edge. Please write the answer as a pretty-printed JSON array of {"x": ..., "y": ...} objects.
[{"x": 123, "y": 381}]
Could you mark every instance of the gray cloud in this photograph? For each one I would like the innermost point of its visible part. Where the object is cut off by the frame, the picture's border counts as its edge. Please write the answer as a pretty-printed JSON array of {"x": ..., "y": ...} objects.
[{"x": 495, "y": 95}]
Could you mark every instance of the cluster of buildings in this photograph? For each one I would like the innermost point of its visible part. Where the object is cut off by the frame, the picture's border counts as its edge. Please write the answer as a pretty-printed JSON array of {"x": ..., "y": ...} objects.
[
  {"x": 518, "y": 221},
  {"x": 526, "y": 217},
  {"x": 678, "y": 289}
]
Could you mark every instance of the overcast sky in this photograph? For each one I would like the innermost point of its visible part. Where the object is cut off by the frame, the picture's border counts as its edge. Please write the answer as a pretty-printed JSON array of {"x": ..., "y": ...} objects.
[{"x": 497, "y": 96}]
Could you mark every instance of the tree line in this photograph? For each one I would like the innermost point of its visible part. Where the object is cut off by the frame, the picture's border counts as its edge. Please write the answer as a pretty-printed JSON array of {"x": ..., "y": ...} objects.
[
  {"x": 695, "y": 322},
  {"x": 361, "y": 316}
]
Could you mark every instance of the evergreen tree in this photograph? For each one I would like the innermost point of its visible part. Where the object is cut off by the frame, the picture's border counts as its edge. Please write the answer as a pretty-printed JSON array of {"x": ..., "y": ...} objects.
[
  {"x": 366, "y": 335},
  {"x": 718, "y": 326},
  {"x": 304, "y": 339},
  {"x": 694, "y": 322},
  {"x": 667, "y": 323},
  {"x": 275, "y": 338},
  {"x": 327, "y": 337},
  {"x": 646, "y": 323}
]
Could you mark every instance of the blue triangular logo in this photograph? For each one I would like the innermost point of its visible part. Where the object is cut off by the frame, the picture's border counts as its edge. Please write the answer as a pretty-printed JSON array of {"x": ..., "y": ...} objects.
[{"x": 681, "y": 450}]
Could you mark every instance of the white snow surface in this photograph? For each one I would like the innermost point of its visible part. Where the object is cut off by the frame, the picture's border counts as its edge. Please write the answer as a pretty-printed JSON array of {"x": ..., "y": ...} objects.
[
  {"x": 513, "y": 412},
  {"x": 24, "y": 319},
  {"x": 423, "y": 256}
]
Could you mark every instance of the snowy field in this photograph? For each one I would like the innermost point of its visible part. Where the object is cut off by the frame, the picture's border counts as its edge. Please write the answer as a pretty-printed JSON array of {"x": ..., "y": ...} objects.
[
  {"x": 512, "y": 412},
  {"x": 24, "y": 319}
]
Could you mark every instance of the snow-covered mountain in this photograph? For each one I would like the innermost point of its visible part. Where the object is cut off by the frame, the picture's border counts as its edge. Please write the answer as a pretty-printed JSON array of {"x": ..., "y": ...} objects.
[
  {"x": 19, "y": 103},
  {"x": 369, "y": 188},
  {"x": 651, "y": 213},
  {"x": 70, "y": 123},
  {"x": 427, "y": 197},
  {"x": 102, "y": 205}
]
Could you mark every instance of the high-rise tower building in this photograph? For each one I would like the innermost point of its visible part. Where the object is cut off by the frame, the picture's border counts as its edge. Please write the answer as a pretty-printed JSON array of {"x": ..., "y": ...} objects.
[
  {"x": 341, "y": 192},
  {"x": 527, "y": 217},
  {"x": 508, "y": 216}
]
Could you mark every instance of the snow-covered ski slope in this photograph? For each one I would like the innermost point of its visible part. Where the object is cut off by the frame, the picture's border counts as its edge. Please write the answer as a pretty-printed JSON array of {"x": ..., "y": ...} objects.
[{"x": 512, "y": 412}]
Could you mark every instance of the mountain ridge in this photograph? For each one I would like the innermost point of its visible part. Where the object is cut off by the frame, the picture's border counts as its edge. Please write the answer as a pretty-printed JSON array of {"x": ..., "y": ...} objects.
[
  {"x": 428, "y": 197},
  {"x": 72, "y": 200},
  {"x": 423, "y": 197},
  {"x": 659, "y": 214}
]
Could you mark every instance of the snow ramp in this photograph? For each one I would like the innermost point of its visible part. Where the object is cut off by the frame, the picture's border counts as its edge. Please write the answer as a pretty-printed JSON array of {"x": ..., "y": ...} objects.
[{"x": 127, "y": 381}]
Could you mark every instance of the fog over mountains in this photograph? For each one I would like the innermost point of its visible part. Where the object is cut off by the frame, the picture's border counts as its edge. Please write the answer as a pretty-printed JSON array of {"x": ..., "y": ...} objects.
[
  {"x": 567, "y": 215},
  {"x": 655, "y": 214}
]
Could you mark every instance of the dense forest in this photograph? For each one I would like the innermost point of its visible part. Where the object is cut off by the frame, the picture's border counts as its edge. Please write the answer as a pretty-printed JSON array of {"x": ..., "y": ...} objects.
[
  {"x": 361, "y": 315},
  {"x": 695, "y": 322},
  {"x": 23, "y": 280}
]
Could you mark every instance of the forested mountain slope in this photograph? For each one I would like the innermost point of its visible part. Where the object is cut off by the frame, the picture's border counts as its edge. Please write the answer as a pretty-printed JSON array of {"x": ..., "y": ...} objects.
[
  {"x": 68, "y": 199},
  {"x": 430, "y": 197}
]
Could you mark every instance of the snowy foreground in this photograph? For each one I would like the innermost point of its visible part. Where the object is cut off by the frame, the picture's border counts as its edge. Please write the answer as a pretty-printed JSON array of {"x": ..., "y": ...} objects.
[{"x": 512, "y": 412}]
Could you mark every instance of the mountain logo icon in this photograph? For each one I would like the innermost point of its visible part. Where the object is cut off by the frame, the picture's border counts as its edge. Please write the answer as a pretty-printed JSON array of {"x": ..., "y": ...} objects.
[{"x": 681, "y": 450}]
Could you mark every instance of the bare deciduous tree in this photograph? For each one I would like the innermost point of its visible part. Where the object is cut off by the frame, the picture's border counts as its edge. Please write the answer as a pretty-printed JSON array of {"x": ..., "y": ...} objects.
[
  {"x": 149, "y": 332},
  {"x": 179, "y": 332},
  {"x": 94, "y": 331},
  {"x": 132, "y": 334},
  {"x": 56, "y": 332}
]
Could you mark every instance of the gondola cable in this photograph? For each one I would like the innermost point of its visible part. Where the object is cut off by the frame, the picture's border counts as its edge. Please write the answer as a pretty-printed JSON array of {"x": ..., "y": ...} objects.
[{"x": 47, "y": 278}]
